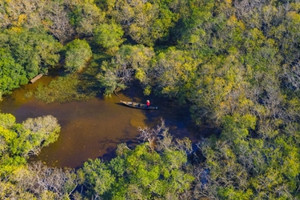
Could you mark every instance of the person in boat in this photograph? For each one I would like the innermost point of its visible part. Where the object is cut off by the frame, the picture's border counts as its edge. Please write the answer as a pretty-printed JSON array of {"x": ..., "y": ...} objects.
[{"x": 148, "y": 103}]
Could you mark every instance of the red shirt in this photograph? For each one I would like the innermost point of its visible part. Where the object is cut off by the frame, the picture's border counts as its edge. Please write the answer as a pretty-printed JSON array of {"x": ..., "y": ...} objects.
[{"x": 148, "y": 103}]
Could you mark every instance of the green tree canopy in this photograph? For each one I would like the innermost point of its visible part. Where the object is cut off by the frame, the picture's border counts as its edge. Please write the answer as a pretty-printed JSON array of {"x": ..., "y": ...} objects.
[
  {"x": 18, "y": 141},
  {"x": 77, "y": 54},
  {"x": 12, "y": 74},
  {"x": 35, "y": 51},
  {"x": 109, "y": 36},
  {"x": 141, "y": 172}
]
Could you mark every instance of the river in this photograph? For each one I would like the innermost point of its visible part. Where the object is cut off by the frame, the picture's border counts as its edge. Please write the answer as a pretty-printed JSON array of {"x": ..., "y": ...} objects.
[{"x": 92, "y": 128}]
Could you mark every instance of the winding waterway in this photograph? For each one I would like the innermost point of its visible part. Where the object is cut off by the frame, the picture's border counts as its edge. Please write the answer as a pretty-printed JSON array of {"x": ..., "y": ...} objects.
[{"x": 92, "y": 128}]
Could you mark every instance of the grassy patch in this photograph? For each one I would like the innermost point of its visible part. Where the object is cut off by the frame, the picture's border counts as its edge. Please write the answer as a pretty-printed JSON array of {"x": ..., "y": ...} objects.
[
  {"x": 78, "y": 86},
  {"x": 64, "y": 89}
]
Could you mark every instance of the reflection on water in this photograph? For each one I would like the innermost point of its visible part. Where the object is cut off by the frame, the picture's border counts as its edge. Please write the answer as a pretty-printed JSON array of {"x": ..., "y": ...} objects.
[{"x": 90, "y": 128}]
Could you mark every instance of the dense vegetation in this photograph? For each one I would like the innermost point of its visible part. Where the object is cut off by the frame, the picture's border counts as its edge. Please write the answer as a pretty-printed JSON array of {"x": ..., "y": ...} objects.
[
  {"x": 142, "y": 173},
  {"x": 235, "y": 63}
]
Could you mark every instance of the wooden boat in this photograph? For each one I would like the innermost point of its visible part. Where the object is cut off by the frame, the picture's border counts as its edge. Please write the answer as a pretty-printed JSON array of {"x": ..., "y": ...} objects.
[{"x": 138, "y": 105}]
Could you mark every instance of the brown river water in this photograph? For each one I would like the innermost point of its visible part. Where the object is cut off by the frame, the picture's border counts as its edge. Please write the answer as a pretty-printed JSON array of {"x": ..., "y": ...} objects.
[{"x": 93, "y": 128}]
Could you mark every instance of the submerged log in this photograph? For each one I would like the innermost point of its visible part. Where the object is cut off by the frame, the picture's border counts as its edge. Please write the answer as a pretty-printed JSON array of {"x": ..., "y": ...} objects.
[{"x": 36, "y": 78}]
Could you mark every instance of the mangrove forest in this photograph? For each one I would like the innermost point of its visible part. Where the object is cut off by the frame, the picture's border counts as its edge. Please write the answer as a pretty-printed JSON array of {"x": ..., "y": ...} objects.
[{"x": 149, "y": 99}]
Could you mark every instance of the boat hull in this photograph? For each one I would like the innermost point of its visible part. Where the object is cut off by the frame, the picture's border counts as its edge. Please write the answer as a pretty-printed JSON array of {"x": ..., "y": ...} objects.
[{"x": 138, "y": 105}]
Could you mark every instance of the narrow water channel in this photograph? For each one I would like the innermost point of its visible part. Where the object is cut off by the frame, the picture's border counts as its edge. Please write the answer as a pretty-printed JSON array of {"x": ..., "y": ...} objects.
[{"x": 92, "y": 128}]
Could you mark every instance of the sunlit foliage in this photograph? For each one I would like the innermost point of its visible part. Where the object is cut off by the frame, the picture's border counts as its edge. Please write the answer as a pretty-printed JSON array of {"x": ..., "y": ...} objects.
[
  {"x": 78, "y": 53},
  {"x": 18, "y": 141},
  {"x": 235, "y": 63},
  {"x": 141, "y": 172},
  {"x": 109, "y": 36}
]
